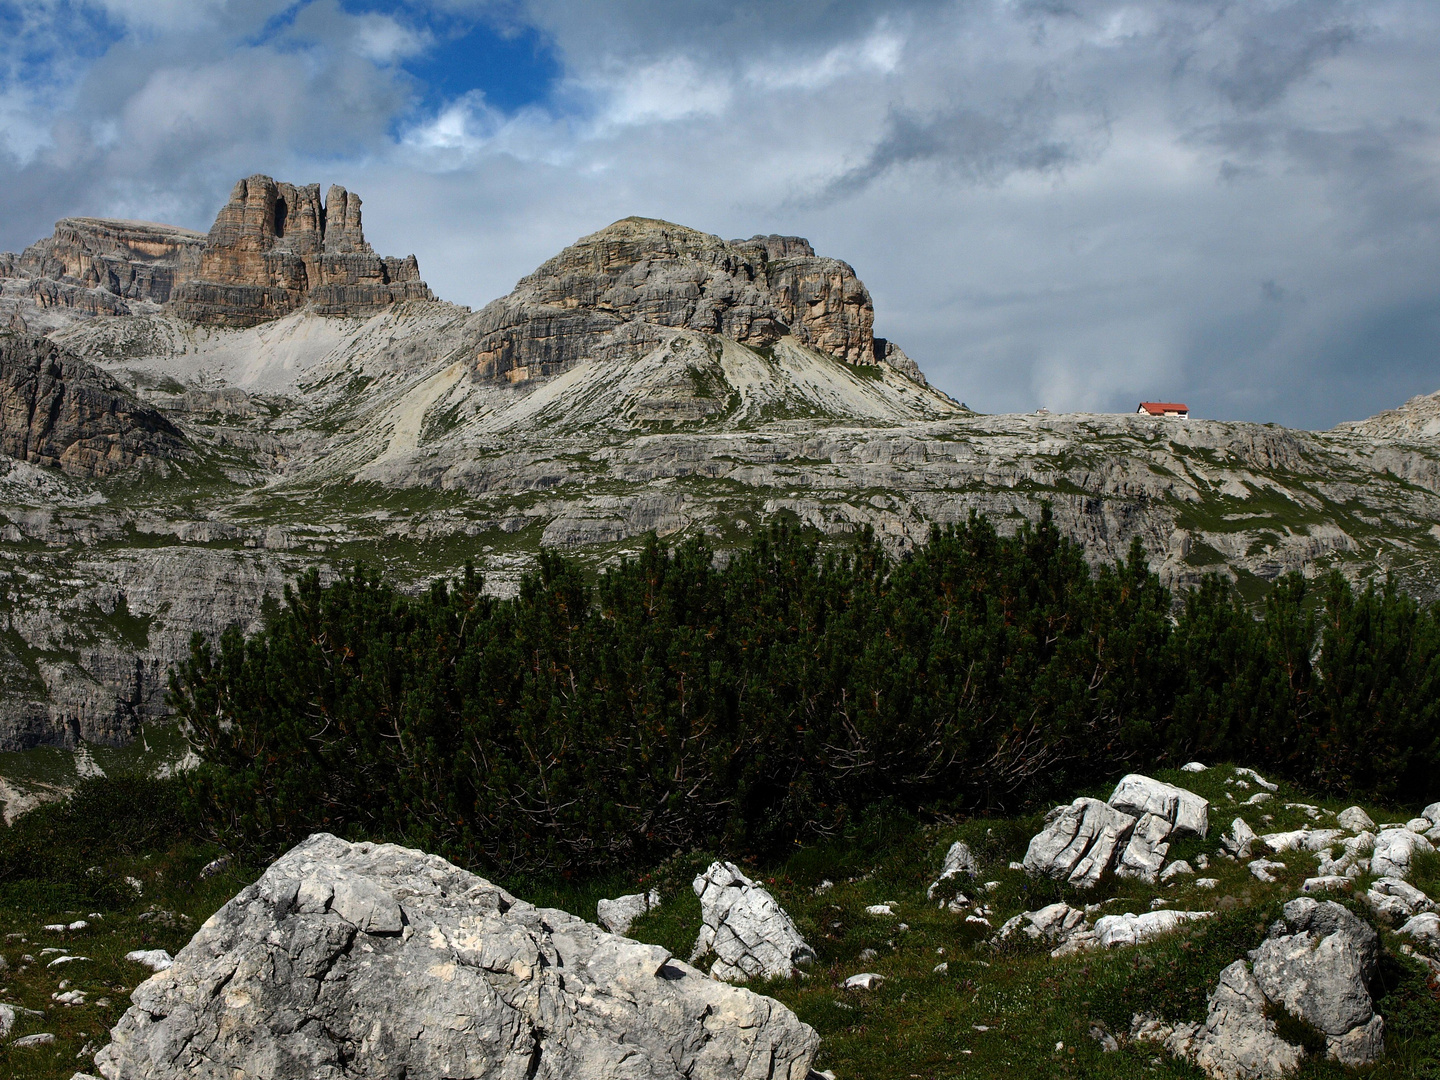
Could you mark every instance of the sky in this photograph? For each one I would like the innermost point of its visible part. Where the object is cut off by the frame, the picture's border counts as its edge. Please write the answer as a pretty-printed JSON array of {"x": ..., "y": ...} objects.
[{"x": 1075, "y": 204}]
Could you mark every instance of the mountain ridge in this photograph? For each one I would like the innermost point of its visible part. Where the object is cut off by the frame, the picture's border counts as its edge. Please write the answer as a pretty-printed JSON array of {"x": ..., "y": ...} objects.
[{"x": 647, "y": 378}]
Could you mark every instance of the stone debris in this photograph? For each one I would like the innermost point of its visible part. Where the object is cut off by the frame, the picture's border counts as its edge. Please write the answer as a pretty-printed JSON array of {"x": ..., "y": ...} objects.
[
  {"x": 1326, "y": 883},
  {"x": 1056, "y": 923},
  {"x": 1302, "y": 839},
  {"x": 617, "y": 915},
  {"x": 1394, "y": 848},
  {"x": 1264, "y": 869},
  {"x": 30, "y": 1042},
  {"x": 879, "y": 909},
  {"x": 7, "y": 1020},
  {"x": 1259, "y": 780},
  {"x": 1193, "y": 766},
  {"x": 1355, "y": 819},
  {"x": 154, "y": 959},
  {"x": 378, "y": 961},
  {"x": 1207, "y": 883},
  {"x": 1431, "y": 813},
  {"x": 866, "y": 980},
  {"x": 1240, "y": 840},
  {"x": 1396, "y": 899},
  {"x": 958, "y": 860},
  {"x": 1176, "y": 869},
  {"x": 1115, "y": 931},
  {"x": 1259, "y": 798},
  {"x": 747, "y": 929}
]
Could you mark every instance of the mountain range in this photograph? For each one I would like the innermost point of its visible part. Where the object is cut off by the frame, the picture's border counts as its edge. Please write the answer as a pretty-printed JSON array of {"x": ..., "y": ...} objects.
[{"x": 188, "y": 420}]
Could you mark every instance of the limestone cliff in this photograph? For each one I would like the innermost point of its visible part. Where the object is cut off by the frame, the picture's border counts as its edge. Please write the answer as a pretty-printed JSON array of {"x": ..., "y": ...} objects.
[
  {"x": 96, "y": 265},
  {"x": 616, "y": 291},
  {"x": 276, "y": 247},
  {"x": 58, "y": 410}
]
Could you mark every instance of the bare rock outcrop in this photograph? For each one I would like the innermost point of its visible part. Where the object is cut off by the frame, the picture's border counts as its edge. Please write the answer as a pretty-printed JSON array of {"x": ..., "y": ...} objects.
[
  {"x": 376, "y": 961},
  {"x": 752, "y": 936},
  {"x": 275, "y": 248},
  {"x": 1316, "y": 964},
  {"x": 97, "y": 265},
  {"x": 57, "y": 410},
  {"x": 1129, "y": 834},
  {"x": 619, "y": 290}
]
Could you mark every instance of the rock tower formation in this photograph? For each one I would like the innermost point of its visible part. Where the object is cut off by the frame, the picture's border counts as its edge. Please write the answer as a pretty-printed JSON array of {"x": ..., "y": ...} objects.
[{"x": 275, "y": 248}]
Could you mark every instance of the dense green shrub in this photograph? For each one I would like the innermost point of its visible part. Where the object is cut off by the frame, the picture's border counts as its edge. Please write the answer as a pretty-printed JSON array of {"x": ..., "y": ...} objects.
[
  {"x": 65, "y": 849},
  {"x": 679, "y": 704}
]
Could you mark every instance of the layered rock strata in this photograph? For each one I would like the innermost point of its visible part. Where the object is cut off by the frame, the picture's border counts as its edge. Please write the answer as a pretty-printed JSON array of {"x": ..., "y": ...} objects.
[
  {"x": 275, "y": 248},
  {"x": 372, "y": 961},
  {"x": 96, "y": 265},
  {"x": 617, "y": 291},
  {"x": 57, "y": 410}
]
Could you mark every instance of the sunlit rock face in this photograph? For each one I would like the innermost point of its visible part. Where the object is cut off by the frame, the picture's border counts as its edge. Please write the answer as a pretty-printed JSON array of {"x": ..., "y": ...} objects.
[{"x": 275, "y": 248}]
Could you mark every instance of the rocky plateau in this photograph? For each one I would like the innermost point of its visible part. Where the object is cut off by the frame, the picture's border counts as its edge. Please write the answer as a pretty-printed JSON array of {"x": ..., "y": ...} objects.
[{"x": 188, "y": 420}]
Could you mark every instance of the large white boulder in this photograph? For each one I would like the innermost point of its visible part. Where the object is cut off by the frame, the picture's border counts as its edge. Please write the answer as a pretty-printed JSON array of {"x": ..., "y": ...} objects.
[
  {"x": 1079, "y": 842},
  {"x": 372, "y": 962},
  {"x": 1318, "y": 963},
  {"x": 750, "y": 933},
  {"x": 1114, "y": 931},
  {"x": 1424, "y": 928}
]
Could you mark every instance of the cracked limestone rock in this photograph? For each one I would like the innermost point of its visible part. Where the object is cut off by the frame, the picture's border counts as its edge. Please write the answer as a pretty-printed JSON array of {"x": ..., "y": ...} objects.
[
  {"x": 1318, "y": 962},
  {"x": 1060, "y": 924},
  {"x": 376, "y": 961},
  {"x": 1079, "y": 842},
  {"x": 1397, "y": 899},
  {"x": 1237, "y": 1040},
  {"x": 747, "y": 929}
]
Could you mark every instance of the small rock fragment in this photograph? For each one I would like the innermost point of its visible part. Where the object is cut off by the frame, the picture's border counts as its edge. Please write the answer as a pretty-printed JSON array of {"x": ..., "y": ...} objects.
[
  {"x": 866, "y": 980},
  {"x": 154, "y": 959},
  {"x": 1355, "y": 819}
]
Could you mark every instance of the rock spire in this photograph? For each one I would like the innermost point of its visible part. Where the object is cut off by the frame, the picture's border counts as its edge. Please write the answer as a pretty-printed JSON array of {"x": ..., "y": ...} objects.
[{"x": 275, "y": 248}]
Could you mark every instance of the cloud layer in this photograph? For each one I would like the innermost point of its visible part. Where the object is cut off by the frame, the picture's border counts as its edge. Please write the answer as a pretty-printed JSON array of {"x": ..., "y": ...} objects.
[{"x": 1075, "y": 204}]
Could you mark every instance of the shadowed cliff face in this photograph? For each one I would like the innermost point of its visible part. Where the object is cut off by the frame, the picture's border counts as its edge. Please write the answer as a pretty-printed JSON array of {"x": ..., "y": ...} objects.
[
  {"x": 275, "y": 248},
  {"x": 58, "y": 410},
  {"x": 610, "y": 293}
]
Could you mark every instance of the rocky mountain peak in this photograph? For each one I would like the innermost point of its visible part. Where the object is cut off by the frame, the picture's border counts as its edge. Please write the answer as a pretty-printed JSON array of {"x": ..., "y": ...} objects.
[
  {"x": 275, "y": 248},
  {"x": 627, "y": 287}
]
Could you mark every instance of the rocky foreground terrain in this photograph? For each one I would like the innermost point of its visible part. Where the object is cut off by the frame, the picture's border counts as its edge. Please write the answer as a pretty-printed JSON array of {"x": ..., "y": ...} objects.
[
  {"x": 189, "y": 420},
  {"x": 1205, "y": 921}
]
